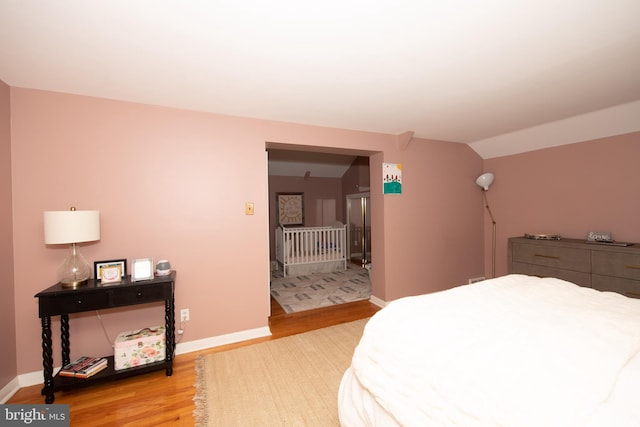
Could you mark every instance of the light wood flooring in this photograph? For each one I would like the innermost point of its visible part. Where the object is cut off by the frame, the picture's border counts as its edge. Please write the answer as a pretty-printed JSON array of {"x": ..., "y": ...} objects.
[{"x": 154, "y": 399}]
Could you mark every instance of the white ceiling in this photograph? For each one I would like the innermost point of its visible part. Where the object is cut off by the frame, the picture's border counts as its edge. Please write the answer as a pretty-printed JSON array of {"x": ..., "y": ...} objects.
[{"x": 499, "y": 75}]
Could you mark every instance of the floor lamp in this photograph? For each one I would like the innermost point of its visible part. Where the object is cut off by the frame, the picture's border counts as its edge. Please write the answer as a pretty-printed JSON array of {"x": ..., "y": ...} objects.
[{"x": 484, "y": 181}]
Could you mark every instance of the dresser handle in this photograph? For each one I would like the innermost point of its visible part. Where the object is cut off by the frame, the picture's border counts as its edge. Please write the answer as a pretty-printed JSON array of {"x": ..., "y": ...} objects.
[
  {"x": 547, "y": 256},
  {"x": 635, "y": 267}
]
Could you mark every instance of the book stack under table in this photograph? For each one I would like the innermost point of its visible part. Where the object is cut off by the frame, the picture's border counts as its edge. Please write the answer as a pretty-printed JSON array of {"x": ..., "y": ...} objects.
[{"x": 83, "y": 367}]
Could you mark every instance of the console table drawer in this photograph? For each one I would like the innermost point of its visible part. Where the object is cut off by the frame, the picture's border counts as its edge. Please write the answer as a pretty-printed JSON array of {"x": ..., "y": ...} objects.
[
  {"x": 578, "y": 277},
  {"x": 141, "y": 294},
  {"x": 616, "y": 264},
  {"x": 630, "y": 288},
  {"x": 73, "y": 303},
  {"x": 551, "y": 256}
]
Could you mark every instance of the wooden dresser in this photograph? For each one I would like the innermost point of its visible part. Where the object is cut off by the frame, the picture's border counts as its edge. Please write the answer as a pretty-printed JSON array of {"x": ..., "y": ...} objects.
[{"x": 602, "y": 267}]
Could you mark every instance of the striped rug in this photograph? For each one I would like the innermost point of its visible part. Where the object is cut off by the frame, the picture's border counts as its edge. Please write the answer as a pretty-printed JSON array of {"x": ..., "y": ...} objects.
[{"x": 306, "y": 292}]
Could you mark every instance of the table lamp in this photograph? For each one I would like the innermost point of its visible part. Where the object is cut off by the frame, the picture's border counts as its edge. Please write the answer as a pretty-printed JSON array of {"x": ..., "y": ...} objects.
[{"x": 72, "y": 227}]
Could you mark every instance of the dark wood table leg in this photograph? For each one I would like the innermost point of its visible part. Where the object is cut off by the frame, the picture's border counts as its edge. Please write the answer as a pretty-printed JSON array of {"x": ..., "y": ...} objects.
[
  {"x": 47, "y": 360},
  {"x": 64, "y": 338},
  {"x": 170, "y": 333}
]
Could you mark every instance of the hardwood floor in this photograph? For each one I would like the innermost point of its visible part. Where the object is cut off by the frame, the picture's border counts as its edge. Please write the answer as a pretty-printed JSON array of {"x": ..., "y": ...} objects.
[{"x": 154, "y": 399}]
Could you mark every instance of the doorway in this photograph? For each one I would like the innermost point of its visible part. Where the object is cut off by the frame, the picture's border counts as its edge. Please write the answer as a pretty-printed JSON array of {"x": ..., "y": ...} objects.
[{"x": 359, "y": 228}]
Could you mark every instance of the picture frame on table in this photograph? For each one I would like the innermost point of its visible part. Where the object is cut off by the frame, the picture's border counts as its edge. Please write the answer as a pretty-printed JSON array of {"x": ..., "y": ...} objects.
[
  {"x": 141, "y": 269},
  {"x": 115, "y": 270}
]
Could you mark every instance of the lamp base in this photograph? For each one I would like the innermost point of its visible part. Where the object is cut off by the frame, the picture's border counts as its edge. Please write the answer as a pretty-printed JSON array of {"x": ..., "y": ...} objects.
[
  {"x": 75, "y": 270},
  {"x": 75, "y": 284}
]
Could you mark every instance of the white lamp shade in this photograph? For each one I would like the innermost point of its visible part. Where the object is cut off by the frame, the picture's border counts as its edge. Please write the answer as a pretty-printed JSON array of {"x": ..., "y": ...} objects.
[
  {"x": 61, "y": 227},
  {"x": 485, "y": 180}
]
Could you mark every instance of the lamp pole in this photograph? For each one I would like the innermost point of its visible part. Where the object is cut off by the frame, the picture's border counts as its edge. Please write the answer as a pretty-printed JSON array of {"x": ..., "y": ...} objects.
[{"x": 493, "y": 243}]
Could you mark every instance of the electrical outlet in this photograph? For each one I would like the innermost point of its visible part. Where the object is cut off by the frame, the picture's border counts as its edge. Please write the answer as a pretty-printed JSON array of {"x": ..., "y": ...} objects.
[{"x": 184, "y": 315}]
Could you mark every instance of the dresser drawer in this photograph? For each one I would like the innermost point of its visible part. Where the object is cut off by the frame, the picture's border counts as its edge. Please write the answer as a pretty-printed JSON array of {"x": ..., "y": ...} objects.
[
  {"x": 578, "y": 277},
  {"x": 72, "y": 302},
  {"x": 141, "y": 294},
  {"x": 616, "y": 264},
  {"x": 630, "y": 288},
  {"x": 551, "y": 256}
]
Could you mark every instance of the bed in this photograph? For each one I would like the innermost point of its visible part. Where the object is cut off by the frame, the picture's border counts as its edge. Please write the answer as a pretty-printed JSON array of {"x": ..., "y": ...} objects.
[
  {"x": 306, "y": 250},
  {"x": 512, "y": 351}
]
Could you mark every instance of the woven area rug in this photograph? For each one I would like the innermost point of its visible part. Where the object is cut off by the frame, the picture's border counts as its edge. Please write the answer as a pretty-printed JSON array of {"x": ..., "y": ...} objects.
[
  {"x": 299, "y": 293},
  {"x": 291, "y": 381}
]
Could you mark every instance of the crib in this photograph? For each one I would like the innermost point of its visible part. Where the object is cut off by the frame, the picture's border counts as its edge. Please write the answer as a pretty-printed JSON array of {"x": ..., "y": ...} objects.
[{"x": 306, "y": 250}]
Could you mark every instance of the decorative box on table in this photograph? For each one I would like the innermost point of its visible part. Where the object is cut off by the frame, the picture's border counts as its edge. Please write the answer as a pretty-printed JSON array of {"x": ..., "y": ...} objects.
[{"x": 139, "y": 347}]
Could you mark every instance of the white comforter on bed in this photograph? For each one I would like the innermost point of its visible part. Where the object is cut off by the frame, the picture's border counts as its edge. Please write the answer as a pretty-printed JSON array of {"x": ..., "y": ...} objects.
[{"x": 512, "y": 351}]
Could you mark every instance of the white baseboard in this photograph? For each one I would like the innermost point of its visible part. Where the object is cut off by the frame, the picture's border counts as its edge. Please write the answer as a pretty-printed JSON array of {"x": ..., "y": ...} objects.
[
  {"x": 34, "y": 378},
  {"x": 9, "y": 390},
  {"x": 378, "y": 301},
  {"x": 219, "y": 340}
]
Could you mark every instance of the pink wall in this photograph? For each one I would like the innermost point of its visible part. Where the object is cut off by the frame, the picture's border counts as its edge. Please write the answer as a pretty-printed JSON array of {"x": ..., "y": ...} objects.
[
  {"x": 434, "y": 229},
  {"x": 169, "y": 184},
  {"x": 357, "y": 174},
  {"x": 7, "y": 303},
  {"x": 173, "y": 184},
  {"x": 314, "y": 189},
  {"x": 570, "y": 190}
]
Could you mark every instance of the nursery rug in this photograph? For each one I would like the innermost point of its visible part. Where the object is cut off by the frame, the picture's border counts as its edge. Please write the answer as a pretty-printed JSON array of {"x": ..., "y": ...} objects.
[
  {"x": 299, "y": 293},
  {"x": 290, "y": 381}
]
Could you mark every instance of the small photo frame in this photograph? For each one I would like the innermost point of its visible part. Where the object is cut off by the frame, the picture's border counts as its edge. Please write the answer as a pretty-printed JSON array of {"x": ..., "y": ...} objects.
[
  {"x": 100, "y": 266},
  {"x": 141, "y": 269}
]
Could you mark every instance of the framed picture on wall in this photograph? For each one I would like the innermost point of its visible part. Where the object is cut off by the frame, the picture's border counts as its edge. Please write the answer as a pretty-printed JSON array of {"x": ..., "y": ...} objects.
[{"x": 290, "y": 208}]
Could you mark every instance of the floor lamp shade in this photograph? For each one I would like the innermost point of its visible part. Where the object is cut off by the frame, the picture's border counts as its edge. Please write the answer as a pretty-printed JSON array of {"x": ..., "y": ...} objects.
[
  {"x": 72, "y": 227},
  {"x": 485, "y": 180}
]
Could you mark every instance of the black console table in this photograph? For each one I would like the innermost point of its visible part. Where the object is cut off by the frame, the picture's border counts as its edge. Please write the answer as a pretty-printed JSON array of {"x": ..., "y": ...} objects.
[{"x": 59, "y": 301}]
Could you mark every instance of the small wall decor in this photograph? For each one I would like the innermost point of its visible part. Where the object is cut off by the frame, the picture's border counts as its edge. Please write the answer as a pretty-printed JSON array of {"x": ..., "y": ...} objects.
[
  {"x": 391, "y": 178},
  {"x": 290, "y": 208},
  {"x": 99, "y": 268}
]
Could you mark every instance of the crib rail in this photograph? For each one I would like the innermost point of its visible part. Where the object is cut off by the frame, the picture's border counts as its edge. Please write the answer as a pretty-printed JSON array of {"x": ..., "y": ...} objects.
[{"x": 310, "y": 245}]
